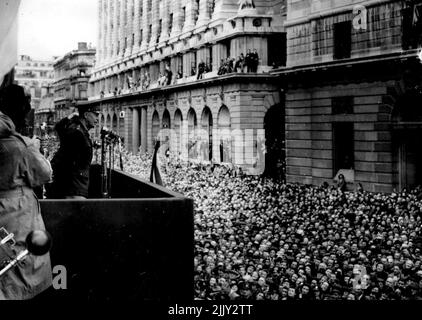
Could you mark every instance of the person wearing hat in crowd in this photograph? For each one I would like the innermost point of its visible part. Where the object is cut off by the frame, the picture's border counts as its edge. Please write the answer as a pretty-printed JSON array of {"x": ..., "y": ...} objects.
[
  {"x": 22, "y": 167},
  {"x": 72, "y": 161}
]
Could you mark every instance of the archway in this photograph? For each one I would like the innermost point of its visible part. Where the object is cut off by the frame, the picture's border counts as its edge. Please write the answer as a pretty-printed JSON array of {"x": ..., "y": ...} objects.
[
  {"x": 206, "y": 135},
  {"x": 155, "y": 127},
  {"x": 166, "y": 124},
  {"x": 224, "y": 129},
  {"x": 178, "y": 120},
  {"x": 121, "y": 125},
  {"x": 108, "y": 122},
  {"x": 114, "y": 125},
  {"x": 192, "y": 138},
  {"x": 274, "y": 142}
]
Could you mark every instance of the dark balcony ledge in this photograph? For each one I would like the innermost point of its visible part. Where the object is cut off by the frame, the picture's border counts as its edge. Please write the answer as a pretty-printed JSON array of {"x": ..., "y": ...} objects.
[
  {"x": 321, "y": 66},
  {"x": 228, "y": 78}
]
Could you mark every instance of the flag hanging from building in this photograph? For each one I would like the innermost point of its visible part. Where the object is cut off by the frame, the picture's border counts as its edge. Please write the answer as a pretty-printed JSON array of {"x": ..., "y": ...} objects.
[
  {"x": 8, "y": 35},
  {"x": 155, "y": 176}
]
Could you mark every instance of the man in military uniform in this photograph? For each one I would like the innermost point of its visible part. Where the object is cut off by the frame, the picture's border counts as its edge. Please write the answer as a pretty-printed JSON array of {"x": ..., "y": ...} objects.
[{"x": 72, "y": 161}]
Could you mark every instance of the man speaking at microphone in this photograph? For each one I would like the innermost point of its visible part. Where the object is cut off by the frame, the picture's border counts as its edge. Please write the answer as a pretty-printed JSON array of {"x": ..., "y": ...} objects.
[{"x": 72, "y": 161}]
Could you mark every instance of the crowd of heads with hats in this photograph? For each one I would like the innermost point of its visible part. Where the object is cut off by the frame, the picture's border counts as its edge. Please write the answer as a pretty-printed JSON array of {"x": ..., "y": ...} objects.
[{"x": 260, "y": 239}]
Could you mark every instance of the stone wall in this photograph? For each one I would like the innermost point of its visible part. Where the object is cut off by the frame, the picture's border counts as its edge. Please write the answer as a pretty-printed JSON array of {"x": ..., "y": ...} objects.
[{"x": 309, "y": 134}]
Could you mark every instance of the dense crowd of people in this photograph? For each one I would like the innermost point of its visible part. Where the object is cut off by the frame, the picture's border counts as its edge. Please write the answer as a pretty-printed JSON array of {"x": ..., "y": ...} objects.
[
  {"x": 264, "y": 240},
  {"x": 260, "y": 239}
]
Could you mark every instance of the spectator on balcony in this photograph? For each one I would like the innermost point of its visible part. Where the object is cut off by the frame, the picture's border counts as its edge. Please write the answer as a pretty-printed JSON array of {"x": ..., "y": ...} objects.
[
  {"x": 168, "y": 74},
  {"x": 229, "y": 65},
  {"x": 255, "y": 61},
  {"x": 201, "y": 70},
  {"x": 193, "y": 71},
  {"x": 242, "y": 62},
  {"x": 238, "y": 66},
  {"x": 147, "y": 81},
  {"x": 162, "y": 80},
  {"x": 249, "y": 61},
  {"x": 221, "y": 70}
]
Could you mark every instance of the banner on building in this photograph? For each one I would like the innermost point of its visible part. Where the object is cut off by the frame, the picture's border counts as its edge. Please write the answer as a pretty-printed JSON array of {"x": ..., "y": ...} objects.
[{"x": 8, "y": 36}]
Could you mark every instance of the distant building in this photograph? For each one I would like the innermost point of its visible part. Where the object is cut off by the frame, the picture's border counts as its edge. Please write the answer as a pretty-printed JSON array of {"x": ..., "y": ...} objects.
[
  {"x": 45, "y": 115},
  {"x": 354, "y": 92},
  {"x": 71, "y": 76},
  {"x": 161, "y": 73},
  {"x": 35, "y": 76}
]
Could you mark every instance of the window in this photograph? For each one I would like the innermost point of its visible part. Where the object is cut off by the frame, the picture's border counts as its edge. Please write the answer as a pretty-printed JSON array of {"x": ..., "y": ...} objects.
[
  {"x": 196, "y": 11},
  {"x": 160, "y": 27},
  {"x": 277, "y": 50},
  {"x": 170, "y": 23},
  {"x": 342, "y": 39},
  {"x": 343, "y": 146},
  {"x": 211, "y": 8},
  {"x": 149, "y": 33},
  {"x": 183, "y": 18},
  {"x": 141, "y": 36},
  {"x": 342, "y": 105},
  {"x": 412, "y": 26}
]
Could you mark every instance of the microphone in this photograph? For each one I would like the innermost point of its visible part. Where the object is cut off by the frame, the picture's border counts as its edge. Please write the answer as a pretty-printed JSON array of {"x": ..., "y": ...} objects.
[{"x": 109, "y": 134}]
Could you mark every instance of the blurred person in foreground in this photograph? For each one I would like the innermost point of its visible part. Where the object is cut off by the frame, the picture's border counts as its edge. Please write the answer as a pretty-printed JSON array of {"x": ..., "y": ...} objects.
[{"x": 22, "y": 168}]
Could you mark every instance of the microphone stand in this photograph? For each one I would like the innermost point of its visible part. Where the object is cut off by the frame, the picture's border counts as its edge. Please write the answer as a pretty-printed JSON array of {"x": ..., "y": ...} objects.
[{"x": 104, "y": 191}]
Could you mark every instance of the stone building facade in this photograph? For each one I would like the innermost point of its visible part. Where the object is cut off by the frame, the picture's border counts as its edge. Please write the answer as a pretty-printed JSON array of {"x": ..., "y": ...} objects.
[
  {"x": 71, "y": 77},
  {"x": 35, "y": 75},
  {"x": 207, "y": 116},
  {"x": 353, "y": 92}
]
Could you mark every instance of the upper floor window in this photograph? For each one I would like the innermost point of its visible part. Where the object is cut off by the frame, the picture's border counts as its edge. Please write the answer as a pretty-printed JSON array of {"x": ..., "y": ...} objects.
[
  {"x": 342, "y": 39},
  {"x": 342, "y": 105},
  {"x": 160, "y": 26},
  {"x": 211, "y": 4},
  {"x": 149, "y": 33},
  {"x": 196, "y": 11},
  {"x": 170, "y": 23},
  {"x": 183, "y": 18},
  {"x": 412, "y": 26}
]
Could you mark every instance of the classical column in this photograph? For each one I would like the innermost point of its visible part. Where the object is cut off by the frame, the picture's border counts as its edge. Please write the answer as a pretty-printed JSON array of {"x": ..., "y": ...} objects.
[
  {"x": 137, "y": 25},
  {"x": 145, "y": 25},
  {"x": 164, "y": 16},
  {"x": 154, "y": 22},
  {"x": 110, "y": 31},
  {"x": 189, "y": 19},
  {"x": 203, "y": 12},
  {"x": 135, "y": 130},
  {"x": 129, "y": 26},
  {"x": 218, "y": 9},
  {"x": 177, "y": 18},
  {"x": 143, "y": 130},
  {"x": 122, "y": 27},
  {"x": 100, "y": 38},
  {"x": 115, "y": 30}
]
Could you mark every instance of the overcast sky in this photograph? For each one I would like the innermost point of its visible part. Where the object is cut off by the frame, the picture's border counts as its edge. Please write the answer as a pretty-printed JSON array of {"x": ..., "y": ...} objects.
[{"x": 50, "y": 28}]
